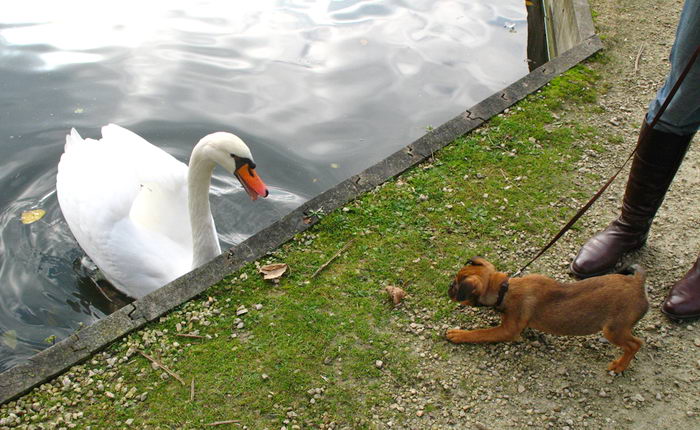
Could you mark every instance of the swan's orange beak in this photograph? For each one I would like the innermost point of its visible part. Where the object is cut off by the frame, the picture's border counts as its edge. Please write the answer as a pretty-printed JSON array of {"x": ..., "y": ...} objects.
[{"x": 251, "y": 182}]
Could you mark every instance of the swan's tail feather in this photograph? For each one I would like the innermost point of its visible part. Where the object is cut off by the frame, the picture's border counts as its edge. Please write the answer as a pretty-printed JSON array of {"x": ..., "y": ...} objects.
[
  {"x": 114, "y": 133},
  {"x": 72, "y": 139}
]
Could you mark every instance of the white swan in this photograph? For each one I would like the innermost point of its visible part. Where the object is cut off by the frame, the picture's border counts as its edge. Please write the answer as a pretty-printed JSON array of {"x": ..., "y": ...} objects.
[{"x": 142, "y": 216}]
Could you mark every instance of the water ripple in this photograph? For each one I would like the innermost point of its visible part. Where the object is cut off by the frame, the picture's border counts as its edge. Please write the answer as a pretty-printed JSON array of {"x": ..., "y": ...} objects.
[{"x": 319, "y": 89}]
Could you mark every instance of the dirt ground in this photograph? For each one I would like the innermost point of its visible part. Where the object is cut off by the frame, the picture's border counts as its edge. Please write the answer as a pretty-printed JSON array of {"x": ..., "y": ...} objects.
[{"x": 559, "y": 382}]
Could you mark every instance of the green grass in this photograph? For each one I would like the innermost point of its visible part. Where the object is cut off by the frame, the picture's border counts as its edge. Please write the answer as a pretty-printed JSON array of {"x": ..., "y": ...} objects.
[{"x": 476, "y": 197}]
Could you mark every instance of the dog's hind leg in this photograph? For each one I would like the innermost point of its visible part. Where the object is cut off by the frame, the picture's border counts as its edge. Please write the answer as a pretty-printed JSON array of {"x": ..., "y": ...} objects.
[{"x": 629, "y": 344}]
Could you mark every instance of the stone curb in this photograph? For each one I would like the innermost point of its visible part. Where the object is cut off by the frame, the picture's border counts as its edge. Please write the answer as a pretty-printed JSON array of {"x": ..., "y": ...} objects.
[{"x": 81, "y": 345}]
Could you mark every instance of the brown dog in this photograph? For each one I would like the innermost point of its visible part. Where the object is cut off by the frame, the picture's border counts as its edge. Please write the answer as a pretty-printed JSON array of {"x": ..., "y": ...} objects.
[{"x": 611, "y": 303}]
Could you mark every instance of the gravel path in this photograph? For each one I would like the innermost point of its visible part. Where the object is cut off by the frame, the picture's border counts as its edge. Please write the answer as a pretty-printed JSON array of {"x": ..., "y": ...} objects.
[{"x": 560, "y": 382}]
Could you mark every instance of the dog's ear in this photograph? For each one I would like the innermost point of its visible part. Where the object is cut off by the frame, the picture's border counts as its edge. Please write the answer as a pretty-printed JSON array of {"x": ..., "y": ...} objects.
[
  {"x": 470, "y": 289},
  {"x": 464, "y": 289}
]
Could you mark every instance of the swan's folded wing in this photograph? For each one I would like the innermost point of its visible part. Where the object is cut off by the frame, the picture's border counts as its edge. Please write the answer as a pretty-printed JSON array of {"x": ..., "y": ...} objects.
[
  {"x": 98, "y": 182},
  {"x": 149, "y": 163},
  {"x": 161, "y": 202}
]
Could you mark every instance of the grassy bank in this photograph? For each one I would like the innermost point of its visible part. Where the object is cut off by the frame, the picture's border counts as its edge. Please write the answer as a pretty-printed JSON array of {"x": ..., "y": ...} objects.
[{"x": 329, "y": 351}]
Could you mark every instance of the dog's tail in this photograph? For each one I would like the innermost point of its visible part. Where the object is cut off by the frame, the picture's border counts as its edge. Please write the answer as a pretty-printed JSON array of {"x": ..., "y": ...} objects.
[
  {"x": 640, "y": 276},
  {"x": 634, "y": 270}
]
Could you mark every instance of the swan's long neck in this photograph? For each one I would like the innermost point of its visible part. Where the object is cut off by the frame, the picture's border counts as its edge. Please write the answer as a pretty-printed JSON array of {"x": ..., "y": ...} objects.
[{"x": 205, "y": 242}]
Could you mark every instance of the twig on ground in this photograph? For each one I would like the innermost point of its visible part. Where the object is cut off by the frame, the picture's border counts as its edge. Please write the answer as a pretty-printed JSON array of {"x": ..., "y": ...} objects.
[
  {"x": 196, "y": 336},
  {"x": 639, "y": 56},
  {"x": 221, "y": 423},
  {"x": 324, "y": 265},
  {"x": 162, "y": 366},
  {"x": 192, "y": 390}
]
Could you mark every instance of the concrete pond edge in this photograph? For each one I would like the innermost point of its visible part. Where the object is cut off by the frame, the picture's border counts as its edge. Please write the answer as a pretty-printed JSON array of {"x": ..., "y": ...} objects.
[{"x": 82, "y": 344}]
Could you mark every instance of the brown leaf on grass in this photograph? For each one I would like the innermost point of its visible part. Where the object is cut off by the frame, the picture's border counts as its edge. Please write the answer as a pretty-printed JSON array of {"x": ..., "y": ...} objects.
[
  {"x": 395, "y": 293},
  {"x": 35, "y": 215},
  {"x": 273, "y": 271}
]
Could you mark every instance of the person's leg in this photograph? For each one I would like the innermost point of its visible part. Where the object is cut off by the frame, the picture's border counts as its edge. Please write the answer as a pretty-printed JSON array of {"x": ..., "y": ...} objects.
[
  {"x": 682, "y": 117},
  {"x": 683, "y": 299},
  {"x": 660, "y": 152},
  {"x": 658, "y": 157}
]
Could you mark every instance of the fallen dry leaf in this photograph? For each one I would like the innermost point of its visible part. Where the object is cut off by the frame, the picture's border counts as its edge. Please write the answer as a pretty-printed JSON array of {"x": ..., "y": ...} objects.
[
  {"x": 273, "y": 271},
  {"x": 396, "y": 294},
  {"x": 29, "y": 217}
]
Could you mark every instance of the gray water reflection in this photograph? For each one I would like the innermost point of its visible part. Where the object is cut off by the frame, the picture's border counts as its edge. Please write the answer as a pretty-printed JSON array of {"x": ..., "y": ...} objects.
[{"x": 319, "y": 89}]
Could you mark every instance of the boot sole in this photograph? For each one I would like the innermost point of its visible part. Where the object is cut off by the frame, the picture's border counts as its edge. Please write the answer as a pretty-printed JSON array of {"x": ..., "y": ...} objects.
[
  {"x": 678, "y": 317},
  {"x": 589, "y": 275}
]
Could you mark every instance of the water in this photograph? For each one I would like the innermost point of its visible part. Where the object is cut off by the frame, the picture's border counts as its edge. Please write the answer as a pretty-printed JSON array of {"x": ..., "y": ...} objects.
[{"x": 320, "y": 90}]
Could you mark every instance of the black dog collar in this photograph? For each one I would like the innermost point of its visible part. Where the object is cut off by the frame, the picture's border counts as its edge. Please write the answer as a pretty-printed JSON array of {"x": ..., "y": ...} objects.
[{"x": 501, "y": 293}]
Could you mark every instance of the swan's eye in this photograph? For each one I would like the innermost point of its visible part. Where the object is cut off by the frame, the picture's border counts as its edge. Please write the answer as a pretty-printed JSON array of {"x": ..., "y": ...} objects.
[{"x": 240, "y": 161}]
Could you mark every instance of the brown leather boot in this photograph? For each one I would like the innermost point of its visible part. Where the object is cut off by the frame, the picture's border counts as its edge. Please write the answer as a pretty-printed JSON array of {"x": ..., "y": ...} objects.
[
  {"x": 683, "y": 301},
  {"x": 658, "y": 156}
]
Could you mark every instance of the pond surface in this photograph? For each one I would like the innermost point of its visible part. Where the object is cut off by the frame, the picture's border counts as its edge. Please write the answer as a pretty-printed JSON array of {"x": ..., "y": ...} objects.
[{"x": 320, "y": 90}]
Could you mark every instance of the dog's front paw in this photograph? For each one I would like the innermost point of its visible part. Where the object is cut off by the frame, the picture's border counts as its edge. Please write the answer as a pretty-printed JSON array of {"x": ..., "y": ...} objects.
[
  {"x": 617, "y": 366},
  {"x": 456, "y": 335}
]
